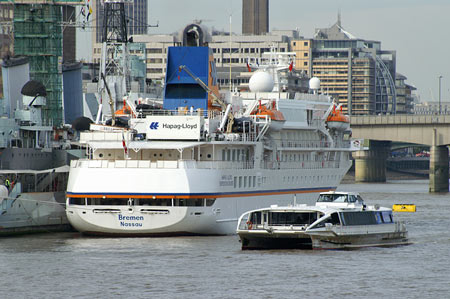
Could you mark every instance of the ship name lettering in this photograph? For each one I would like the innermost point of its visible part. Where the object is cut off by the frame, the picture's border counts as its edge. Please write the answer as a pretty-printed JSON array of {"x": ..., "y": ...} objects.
[
  {"x": 132, "y": 224},
  {"x": 136, "y": 218}
]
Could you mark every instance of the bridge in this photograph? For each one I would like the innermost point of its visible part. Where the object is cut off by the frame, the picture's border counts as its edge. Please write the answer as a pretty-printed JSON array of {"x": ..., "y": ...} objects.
[{"x": 431, "y": 130}]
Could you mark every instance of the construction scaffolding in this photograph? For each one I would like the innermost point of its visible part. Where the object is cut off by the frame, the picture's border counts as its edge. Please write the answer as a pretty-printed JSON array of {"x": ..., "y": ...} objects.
[{"x": 38, "y": 34}]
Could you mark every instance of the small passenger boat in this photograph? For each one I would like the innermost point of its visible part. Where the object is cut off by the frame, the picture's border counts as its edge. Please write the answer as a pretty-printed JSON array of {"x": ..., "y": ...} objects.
[{"x": 339, "y": 220}]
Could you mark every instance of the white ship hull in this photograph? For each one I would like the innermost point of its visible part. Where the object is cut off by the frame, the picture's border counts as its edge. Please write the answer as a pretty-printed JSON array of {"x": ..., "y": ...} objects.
[{"x": 220, "y": 218}]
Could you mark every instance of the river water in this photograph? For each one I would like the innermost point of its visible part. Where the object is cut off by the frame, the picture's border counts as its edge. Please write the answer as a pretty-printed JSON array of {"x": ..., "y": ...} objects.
[{"x": 70, "y": 265}]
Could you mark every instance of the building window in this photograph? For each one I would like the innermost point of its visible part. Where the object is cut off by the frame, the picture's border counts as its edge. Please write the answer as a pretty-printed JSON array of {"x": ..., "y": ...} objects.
[
  {"x": 305, "y": 44},
  {"x": 305, "y": 54},
  {"x": 305, "y": 63}
]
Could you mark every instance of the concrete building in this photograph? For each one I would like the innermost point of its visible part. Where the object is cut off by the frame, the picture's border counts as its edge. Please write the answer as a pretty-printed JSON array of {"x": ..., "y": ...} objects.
[
  {"x": 6, "y": 46},
  {"x": 230, "y": 54},
  {"x": 405, "y": 98},
  {"x": 255, "y": 17},
  {"x": 356, "y": 72}
]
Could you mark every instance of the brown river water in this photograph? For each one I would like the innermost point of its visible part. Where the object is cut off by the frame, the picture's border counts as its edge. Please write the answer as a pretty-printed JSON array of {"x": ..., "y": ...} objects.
[{"x": 69, "y": 265}]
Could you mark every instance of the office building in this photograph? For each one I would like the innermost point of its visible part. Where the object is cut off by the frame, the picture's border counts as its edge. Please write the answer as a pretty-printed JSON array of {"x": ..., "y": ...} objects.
[
  {"x": 356, "y": 72},
  {"x": 255, "y": 17}
]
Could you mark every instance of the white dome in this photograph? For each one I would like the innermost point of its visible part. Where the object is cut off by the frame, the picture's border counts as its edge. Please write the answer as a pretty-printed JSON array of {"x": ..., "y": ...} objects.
[
  {"x": 261, "y": 81},
  {"x": 314, "y": 83}
]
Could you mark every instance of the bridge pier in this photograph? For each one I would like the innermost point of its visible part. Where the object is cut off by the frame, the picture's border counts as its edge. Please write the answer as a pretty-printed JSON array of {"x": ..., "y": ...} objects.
[
  {"x": 438, "y": 167},
  {"x": 370, "y": 165}
]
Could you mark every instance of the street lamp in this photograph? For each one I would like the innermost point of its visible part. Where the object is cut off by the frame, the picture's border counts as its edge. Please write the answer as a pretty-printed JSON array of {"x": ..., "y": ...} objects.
[{"x": 440, "y": 77}]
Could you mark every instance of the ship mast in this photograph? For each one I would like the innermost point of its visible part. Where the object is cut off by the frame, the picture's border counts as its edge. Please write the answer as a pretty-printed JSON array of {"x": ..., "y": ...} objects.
[{"x": 114, "y": 58}]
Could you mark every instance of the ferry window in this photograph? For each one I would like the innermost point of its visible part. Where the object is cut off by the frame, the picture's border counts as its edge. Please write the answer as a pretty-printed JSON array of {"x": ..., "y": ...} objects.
[
  {"x": 335, "y": 218},
  {"x": 352, "y": 198},
  {"x": 228, "y": 155},
  {"x": 255, "y": 218},
  {"x": 358, "y": 218},
  {"x": 240, "y": 182},
  {"x": 254, "y": 181},
  {"x": 245, "y": 181},
  {"x": 210, "y": 201},
  {"x": 378, "y": 217},
  {"x": 223, "y": 155},
  {"x": 387, "y": 217},
  {"x": 233, "y": 155},
  {"x": 234, "y": 182},
  {"x": 286, "y": 218}
]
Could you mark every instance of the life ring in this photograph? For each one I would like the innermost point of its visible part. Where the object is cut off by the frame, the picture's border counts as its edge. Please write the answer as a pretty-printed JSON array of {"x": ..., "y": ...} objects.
[{"x": 249, "y": 225}]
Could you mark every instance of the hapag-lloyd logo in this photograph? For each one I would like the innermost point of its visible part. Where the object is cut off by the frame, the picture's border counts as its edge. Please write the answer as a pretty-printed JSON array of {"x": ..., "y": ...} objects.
[
  {"x": 179, "y": 126},
  {"x": 154, "y": 125}
]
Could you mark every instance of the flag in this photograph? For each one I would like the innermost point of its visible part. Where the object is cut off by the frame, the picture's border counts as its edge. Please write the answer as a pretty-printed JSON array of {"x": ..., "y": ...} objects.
[
  {"x": 125, "y": 149},
  {"x": 248, "y": 67},
  {"x": 291, "y": 66}
]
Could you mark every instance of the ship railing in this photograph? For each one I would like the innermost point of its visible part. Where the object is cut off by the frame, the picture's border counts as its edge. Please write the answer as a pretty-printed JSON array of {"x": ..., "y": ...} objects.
[
  {"x": 180, "y": 111},
  {"x": 313, "y": 144},
  {"x": 300, "y": 165},
  {"x": 166, "y": 164}
]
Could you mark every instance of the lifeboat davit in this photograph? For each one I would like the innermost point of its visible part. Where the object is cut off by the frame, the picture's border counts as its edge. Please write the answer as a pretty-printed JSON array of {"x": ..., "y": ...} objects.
[
  {"x": 337, "y": 120},
  {"x": 125, "y": 111},
  {"x": 276, "y": 116}
]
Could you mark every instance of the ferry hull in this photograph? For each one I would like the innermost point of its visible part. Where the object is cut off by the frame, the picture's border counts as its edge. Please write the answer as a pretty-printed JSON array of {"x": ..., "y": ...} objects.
[{"x": 262, "y": 239}]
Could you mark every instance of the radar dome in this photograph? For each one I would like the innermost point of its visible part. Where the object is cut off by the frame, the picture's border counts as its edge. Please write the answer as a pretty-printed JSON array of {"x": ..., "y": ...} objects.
[
  {"x": 314, "y": 83},
  {"x": 261, "y": 81}
]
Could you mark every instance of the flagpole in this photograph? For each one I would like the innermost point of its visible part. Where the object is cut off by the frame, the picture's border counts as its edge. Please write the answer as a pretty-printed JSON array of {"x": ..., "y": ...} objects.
[{"x": 230, "y": 52}]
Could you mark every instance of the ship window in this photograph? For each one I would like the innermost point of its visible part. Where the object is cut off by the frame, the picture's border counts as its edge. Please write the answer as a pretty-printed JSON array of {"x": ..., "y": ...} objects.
[
  {"x": 245, "y": 181},
  {"x": 234, "y": 182},
  {"x": 254, "y": 181},
  {"x": 240, "y": 182},
  {"x": 209, "y": 156},
  {"x": 210, "y": 201},
  {"x": 77, "y": 201},
  {"x": 167, "y": 202}
]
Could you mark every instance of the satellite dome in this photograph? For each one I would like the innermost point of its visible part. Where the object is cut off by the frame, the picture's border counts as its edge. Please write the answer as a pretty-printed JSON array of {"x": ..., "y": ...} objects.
[
  {"x": 314, "y": 83},
  {"x": 261, "y": 81}
]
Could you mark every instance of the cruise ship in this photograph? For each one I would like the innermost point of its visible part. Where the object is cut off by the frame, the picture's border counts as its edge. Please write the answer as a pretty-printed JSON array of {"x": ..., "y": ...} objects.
[{"x": 195, "y": 164}]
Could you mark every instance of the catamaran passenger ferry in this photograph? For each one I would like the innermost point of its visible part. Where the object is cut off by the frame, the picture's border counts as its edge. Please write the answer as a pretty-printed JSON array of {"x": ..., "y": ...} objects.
[{"x": 196, "y": 165}]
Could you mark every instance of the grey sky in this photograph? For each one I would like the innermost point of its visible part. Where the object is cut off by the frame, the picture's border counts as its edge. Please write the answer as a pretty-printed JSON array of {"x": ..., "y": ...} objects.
[{"x": 417, "y": 29}]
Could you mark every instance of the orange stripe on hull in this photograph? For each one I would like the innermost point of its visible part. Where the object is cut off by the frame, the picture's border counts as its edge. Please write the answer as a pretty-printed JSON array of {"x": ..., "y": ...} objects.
[{"x": 198, "y": 195}]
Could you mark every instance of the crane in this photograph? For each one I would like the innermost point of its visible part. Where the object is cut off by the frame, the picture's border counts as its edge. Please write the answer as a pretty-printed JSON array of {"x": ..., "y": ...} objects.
[{"x": 216, "y": 99}]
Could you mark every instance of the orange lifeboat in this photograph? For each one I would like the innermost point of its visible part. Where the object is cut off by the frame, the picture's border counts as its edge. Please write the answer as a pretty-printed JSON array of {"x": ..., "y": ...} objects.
[
  {"x": 276, "y": 116},
  {"x": 337, "y": 120},
  {"x": 125, "y": 111}
]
